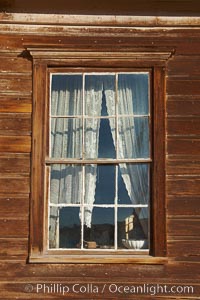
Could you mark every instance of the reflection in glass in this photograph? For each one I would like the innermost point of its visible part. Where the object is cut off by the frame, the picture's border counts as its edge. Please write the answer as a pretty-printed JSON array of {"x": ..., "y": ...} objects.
[
  {"x": 133, "y": 93},
  {"x": 105, "y": 184},
  {"x": 102, "y": 229},
  {"x": 66, "y": 95},
  {"x": 70, "y": 227},
  {"x": 132, "y": 225},
  {"x": 123, "y": 196},
  {"x": 133, "y": 140},
  {"x": 65, "y": 184},
  {"x": 66, "y": 138}
]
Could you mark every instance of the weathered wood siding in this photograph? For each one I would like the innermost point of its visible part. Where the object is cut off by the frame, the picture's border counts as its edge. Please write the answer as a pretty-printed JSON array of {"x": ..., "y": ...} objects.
[{"x": 182, "y": 161}]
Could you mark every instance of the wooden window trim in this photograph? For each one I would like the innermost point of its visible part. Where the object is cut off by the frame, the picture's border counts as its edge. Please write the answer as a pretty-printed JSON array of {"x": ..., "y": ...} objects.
[{"x": 43, "y": 59}]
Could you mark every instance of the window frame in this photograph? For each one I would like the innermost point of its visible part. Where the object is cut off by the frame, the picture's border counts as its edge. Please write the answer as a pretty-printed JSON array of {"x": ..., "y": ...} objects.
[{"x": 45, "y": 58}]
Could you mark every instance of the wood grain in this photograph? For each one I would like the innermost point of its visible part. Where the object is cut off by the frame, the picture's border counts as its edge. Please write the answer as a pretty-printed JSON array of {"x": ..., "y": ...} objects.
[
  {"x": 13, "y": 248},
  {"x": 183, "y": 87},
  {"x": 15, "y": 144},
  {"x": 184, "y": 226},
  {"x": 17, "y": 206},
  {"x": 15, "y": 163},
  {"x": 183, "y": 107},
  {"x": 15, "y": 124},
  {"x": 183, "y": 165},
  {"x": 15, "y": 104},
  {"x": 19, "y": 184},
  {"x": 20, "y": 84},
  {"x": 183, "y": 126},
  {"x": 185, "y": 205},
  {"x": 183, "y": 146},
  {"x": 183, "y": 185},
  {"x": 184, "y": 248},
  {"x": 14, "y": 227}
]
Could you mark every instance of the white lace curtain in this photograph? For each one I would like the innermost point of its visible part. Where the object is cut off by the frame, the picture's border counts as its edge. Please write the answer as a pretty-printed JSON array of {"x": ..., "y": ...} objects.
[{"x": 66, "y": 138}]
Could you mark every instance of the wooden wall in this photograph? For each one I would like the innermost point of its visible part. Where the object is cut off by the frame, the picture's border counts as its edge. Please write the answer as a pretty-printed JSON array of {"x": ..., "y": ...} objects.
[{"x": 182, "y": 163}]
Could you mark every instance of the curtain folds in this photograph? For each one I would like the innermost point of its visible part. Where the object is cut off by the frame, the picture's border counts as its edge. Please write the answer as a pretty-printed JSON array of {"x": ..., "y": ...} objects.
[
  {"x": 132, "y": 141},
  {"x": 66, "y": 141},
  {"x": 93, "y": 104}
]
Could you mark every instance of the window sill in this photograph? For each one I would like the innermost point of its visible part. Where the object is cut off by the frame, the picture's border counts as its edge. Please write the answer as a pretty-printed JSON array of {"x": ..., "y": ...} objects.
[{"x": 103, "y": 259}]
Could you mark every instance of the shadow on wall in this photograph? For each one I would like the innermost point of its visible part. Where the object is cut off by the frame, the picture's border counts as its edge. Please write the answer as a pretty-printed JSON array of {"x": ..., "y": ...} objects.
[{"x": 111, "y": 7}]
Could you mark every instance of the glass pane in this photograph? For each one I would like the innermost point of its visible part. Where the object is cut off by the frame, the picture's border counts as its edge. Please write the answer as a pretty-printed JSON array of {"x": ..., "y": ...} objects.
[
  {"x": 99, "y": 95},
  {"x": 70, "y": 227},
  {"x": 99, "y": 184},
  {"x": 133, "y": 140},
  {"x": 100, "y": 138},
  {"x": 102, "y": 229},
  {"x": 54, "y": 227},
  {"x": 66, "y": 95},
  {"x": 133, "y": 183},
  {"x": 133, "y": 94},
  {"x": 66, "y": 138},
  {"x": 132, "y": 228},
  {"x": 66, "y": 184}
]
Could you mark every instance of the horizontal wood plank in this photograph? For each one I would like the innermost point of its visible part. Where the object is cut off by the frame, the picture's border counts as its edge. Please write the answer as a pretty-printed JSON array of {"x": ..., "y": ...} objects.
[
  {"x": 187, "y": 107},
  {"x": 14, "y": 206},
  {"x": 183, "y": 126},
  {"x": 183, "y": 87},
  {"x": 183, "y": 226},
  {"x": 171, "y": 273},
  {"x": 19, "y": 84},
  {"x": 183, "y": 165},
  {"x": 19, "y": 185},
  {"x": 183, "y": 205},
  {"x": 13, "y": 104},
  {"x": 15, "y": 144},
  {"x": 185, "y": 185},
  {"x": 80, "y": 271},
  {"x": 14, "y": 163},
  {"x": 183, "y": 146},
  {"x": 183, "y": 248},
  {"x": 15, "y": 65},
  {"x": 11, "y": 248},
  {"x": 15, "y": 123},
  {"x": 14, "y": 228},
  {"x": 185, "y": 66}
]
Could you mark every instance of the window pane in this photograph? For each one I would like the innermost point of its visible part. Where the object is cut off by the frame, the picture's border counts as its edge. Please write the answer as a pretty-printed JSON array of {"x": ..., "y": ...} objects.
[
  {"x": 64, "y": 227},
  {"x": 66, "y": 95},
  {"x": 54, "y": 227},
  {"x": 66, "y": 138},
  {"x": 99, "y": 138},
  {"x": 66, "y": 184},
  {"x": 133, "y": 183},
  {"x": 133, "y": 93},
  {"x": 133, "y": 140},
  {"x": 99, "y": 95},
  {"x": 133, "y": 228},
  {"x": 99, "y": 184},
  {"x": 102, "y": 228},
  {"x": 70, "y": 227}
]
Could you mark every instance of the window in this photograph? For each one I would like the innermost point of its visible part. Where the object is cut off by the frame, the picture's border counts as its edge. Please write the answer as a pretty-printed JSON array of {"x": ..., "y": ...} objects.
[
  {"x": 99, "y": 161},
  {"x": 98, "y": 156}
]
